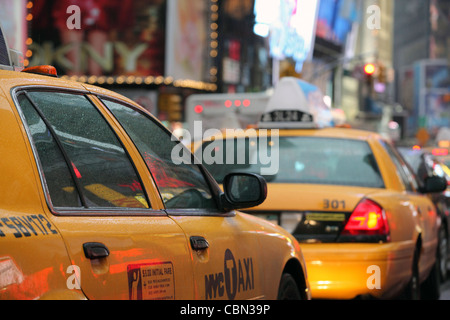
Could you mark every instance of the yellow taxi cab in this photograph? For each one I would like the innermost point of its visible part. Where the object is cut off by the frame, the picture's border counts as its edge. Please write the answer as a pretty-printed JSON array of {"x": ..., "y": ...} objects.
[
  {"x": 364, "y": 226},
  {"x": 94, "y": 206}
]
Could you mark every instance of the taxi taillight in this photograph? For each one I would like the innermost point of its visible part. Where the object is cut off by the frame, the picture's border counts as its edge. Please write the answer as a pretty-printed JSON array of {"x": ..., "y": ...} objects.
[
  {"x": 42, "y": 70},
  {"x": 368, "y": 222}
]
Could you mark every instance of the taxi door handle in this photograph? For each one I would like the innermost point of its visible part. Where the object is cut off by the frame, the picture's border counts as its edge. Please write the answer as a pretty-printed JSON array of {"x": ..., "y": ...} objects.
[
  {"x": 95, "y": 250},
  {"x": 199, "y": 243}
]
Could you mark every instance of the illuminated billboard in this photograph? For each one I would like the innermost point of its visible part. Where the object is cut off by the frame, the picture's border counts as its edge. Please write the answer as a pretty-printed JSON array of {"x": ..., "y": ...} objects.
[
  {"x": 290, "y": 26},
  {"x": 99, "y": 37},
  {"x": 186, "y": 39},
  {"x": 335, "y": 19}
]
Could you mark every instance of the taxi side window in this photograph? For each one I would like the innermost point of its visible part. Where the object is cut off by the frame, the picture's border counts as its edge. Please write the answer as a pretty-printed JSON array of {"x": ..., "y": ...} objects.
[
  {"x": 181, "y": 185},
  {"x": 407, "y": 177},
  {"x": 83, "y": 161},
  {"x": 56, "y": 172}
]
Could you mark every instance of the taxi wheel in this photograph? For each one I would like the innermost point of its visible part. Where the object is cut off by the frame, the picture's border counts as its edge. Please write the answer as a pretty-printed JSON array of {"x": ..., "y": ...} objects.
[
  {"x": 412, "y": 291},
  {"x": 288, "y": 288},
  {"x": 430, "y": 289}
]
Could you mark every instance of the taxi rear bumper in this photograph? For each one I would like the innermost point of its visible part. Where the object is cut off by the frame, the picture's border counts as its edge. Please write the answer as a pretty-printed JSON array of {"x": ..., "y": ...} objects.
[{"x": 350, "y": 270}]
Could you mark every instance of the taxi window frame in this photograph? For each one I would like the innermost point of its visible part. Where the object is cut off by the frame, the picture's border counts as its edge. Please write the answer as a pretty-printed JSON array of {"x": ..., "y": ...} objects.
[
  {"x": 216, "y": 192},
  {"x": 79, "y": 211},
  {"x": 403, "y": 168}
]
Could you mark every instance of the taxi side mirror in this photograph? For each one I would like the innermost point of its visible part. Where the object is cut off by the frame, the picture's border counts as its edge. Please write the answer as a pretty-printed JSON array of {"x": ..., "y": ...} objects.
[
  {"x": 435, "y": 184},
  {"x": 243, "y": 190}
]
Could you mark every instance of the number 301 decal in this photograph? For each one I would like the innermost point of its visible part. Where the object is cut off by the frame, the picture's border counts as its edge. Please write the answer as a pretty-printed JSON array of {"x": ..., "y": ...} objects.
[{"x": 333, "y": 204}]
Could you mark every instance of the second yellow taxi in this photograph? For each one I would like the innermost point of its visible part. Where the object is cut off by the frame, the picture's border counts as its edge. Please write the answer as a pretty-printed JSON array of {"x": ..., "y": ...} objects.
[{"x": 366, "y": 228}]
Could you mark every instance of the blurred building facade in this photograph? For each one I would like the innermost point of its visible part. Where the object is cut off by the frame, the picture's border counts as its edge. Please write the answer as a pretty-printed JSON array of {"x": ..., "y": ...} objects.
[
  {"x": 421, "y": 61},
  {"x": 159, "y": 52}
]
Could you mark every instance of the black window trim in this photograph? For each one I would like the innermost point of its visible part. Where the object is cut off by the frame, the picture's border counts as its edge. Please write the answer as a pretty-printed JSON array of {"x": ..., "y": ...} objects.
[
  {"x": 212, "y": 184},
  {"x": 78, "y": 211},
  {"x": 408, "y": 172}
]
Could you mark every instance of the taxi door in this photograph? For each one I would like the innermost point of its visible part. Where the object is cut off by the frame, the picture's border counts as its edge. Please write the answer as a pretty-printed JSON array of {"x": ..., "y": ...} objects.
[
  {"x": 427, "y": 218},
  {"x": 223, "y": 247},
  {"x": 423, "y": 211},
  {"x": 121, "y": 243},
  {"x": 225, "y": 255}
]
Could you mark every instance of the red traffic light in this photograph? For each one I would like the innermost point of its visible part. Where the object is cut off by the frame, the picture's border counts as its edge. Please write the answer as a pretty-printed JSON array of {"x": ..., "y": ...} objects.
[{"x": 369, "y": 69}]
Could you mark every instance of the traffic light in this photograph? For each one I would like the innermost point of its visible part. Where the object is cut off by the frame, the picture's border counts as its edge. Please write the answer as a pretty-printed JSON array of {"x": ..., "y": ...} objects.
[
  {"x": 369, "y": 74},
  {"x": 369, "y": 69}
]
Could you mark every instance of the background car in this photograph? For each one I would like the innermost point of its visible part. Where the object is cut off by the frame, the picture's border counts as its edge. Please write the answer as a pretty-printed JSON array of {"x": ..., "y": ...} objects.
[
  {"x": 95, "y": 207},
  {"x": 425, "y": 164}
]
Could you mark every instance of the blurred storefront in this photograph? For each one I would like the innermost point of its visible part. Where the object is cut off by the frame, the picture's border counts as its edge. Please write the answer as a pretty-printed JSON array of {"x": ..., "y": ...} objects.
[
  {"x": 157, "y": 52},
  {"x": 244, "y": 60}
]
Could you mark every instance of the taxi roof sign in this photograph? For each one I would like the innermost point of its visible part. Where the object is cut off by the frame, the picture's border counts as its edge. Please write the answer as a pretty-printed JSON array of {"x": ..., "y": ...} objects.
[{"x": 296, "y": 104}]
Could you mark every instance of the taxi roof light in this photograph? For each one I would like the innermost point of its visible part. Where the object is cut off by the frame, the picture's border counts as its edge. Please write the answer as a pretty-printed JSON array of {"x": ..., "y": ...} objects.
[
  {"x": 296, "y": 104},
  {"x": 368, "y": 219},
  {"x": 42, "y": 70}
]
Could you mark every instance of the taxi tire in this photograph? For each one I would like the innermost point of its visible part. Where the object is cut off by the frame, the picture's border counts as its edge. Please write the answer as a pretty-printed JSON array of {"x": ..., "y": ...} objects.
[
  {"x": 288, "y": 289},
  {"x": 412, "y": 290},
  {"x": 431, "y": 287}
]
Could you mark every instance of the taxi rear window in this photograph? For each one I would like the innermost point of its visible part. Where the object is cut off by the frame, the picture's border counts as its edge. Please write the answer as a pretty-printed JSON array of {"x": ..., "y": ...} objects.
[{"x": 312, "y": 160}]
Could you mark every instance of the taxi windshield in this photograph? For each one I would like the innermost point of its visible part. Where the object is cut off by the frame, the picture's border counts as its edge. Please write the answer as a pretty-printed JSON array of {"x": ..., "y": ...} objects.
[{"x": 311, "y": 160}]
